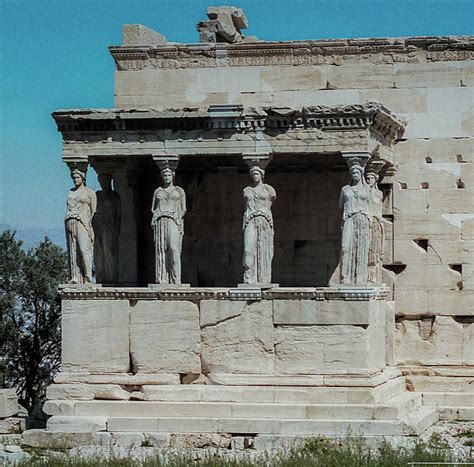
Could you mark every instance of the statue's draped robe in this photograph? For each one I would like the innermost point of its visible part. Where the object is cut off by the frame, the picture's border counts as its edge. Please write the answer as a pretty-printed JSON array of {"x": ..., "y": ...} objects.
[
  {"x": 169, "y": 207},
  {"x": 106, "y": 225},
  {"x": 355, "y": 234},
  {"x": 376, "y": 236},
  {"x": 258, "y": 234},
  {"x": 80, "y": 234}
]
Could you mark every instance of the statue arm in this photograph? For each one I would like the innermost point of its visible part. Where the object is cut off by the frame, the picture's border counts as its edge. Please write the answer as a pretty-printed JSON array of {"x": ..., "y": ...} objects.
[
  {"x": 341, "y": 199},
  {"x": 183, "y": 202},
  {"x": 93, "y": 203},
  {"x": 153, "y": 207},
  {"x": 272, "y": 192}
]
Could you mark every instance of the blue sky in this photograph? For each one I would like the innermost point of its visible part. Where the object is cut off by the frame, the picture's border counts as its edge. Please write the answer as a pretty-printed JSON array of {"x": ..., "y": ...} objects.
[{"x": 54, "y": 55}]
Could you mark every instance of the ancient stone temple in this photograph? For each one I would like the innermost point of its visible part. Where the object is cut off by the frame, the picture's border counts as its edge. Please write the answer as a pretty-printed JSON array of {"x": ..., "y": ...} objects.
[{"x": 282, "y": 245}]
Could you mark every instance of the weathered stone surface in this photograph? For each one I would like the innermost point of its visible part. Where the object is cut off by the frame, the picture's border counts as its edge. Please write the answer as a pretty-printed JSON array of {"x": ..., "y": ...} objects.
[
  {"x": 129, "y": 440},
  {"x": 165, "y": 337},
  {"x": 411, "y": 301},
  {"x": 95, "y": 335},
  {"x": 290, "y": 79},
  {"x": 397, "y": 100},
  {"x": 61, "y": 407},
  {"x": 467, "y": 75},
  {"x": 329, "y": 349},
  {"x": 50, "y": 439},
  {"x": 265, "y": 380},
  {"x": 305, "y": 312},
  {"x": 73, "y": 424},
  {"x": 158, "y": 440},
  {"x": 242, "y": 343},
  {"x": 427, "y": 75},
  {"x": 360, "y": 76},
  {"x": 118, "y": 378},
  {"x": 70, "y": 391},
  {"x": 12, "y": 425},
  {"x": 204, "y": 440},
  {"x": 8, "y": 403},
  {"x": 86, "y": 392},
  {"x": 431, "y": 383},
  {"x": 451, "y": 302},
  {"x": 440, "y": 340},
  {"x": 136, "y": 34}
]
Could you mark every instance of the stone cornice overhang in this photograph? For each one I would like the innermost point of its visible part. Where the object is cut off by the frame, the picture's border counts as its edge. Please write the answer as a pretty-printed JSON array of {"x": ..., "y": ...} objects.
[
  {"x": 311, "y": 52},
  {"x": 372, "y": 115},
  {"x": 230, "y": 130}
]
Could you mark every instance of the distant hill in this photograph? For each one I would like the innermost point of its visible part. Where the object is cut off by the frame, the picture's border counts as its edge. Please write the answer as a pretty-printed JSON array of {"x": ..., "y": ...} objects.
[{"x": 34, "y": 235}]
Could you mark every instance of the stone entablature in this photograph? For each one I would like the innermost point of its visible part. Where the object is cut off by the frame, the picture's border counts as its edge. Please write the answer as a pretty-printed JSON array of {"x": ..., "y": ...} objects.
[
  {"x": 234, "y": 117},
  {"x": 230, "y": 129},
  {"x": 196, "y": 294},
  {"x": 317, "y": 52}
]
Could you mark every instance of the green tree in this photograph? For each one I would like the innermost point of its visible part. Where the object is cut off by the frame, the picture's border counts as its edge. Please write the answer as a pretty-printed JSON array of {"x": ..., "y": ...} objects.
[{"x": 30, "y": 312}]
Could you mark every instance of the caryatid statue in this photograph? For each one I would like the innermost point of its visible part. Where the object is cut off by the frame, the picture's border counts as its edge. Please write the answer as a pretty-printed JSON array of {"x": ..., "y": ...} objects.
[
  {"x": 106, "y": 225},
  {"x": 376, "y": 244},
  {"x": 81, "y": 206},
  {"x": 258, "y": 229},
  {"x": 168, "y": 208},
  {"x": 354, "y": 202}
]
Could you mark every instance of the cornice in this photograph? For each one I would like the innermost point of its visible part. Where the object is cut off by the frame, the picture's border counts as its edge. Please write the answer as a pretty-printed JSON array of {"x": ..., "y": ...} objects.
[
  {"x": 371, "y": 116},
  {"x": 196, "y": 294},
  {"x": 291, "y": 53}
]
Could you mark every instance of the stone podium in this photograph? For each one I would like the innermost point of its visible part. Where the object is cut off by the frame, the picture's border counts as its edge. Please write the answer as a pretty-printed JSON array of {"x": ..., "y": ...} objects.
[
  {"x": 147, "y": 360},
  {"x": 291, "y": 362}
]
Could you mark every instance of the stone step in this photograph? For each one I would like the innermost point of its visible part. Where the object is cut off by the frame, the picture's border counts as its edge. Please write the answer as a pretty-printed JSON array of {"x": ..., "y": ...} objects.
[
  {"x": 424, "y": 383},
  {"x": 395, "y": 408},
  {"x": 456, "y": 413},
  {"x": 262, "y": 394},
  {"x": 450, "y": 399},
  {"x": 417, "y": 422}
]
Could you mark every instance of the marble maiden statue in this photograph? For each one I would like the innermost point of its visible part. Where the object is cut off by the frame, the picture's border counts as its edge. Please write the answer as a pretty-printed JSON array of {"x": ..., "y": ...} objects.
[
  {"x": 376, "y": 243},
  {"x": 81, "y": 206},
  {"x": 354, "y": 201},
  {"x": 258, "y": 229},
  {"x": 106, "y": 225},
  {"x": 168, "y": 208}
]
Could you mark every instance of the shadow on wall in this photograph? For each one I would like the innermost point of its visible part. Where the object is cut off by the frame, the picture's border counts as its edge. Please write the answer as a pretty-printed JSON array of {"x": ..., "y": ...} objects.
[{"x": 306, "y": 221}]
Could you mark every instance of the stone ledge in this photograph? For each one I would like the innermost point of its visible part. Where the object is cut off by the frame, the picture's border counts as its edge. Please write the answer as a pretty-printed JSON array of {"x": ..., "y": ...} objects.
[
  {"x": 93, "y": 292},
  {"x": 304, "y": 380},
  {"x": 117, "y": 378}
]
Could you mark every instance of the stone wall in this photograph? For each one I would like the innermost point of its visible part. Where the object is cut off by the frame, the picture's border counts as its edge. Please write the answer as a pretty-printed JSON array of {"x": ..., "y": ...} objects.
[
  {"x": 213, "y": 337},
  {"x": 430, "y": 82}
]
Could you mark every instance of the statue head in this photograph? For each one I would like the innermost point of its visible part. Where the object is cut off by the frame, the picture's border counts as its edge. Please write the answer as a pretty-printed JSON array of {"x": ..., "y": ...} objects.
[
  {"x": 78, "y": 177},
  {"x": 357, "y": 173},
  {"x": 167, "y": 175},
  {"x": 371, "y": 178},
  {"x": 105, "y": 181},
  {"x": 256, "y": 173}
]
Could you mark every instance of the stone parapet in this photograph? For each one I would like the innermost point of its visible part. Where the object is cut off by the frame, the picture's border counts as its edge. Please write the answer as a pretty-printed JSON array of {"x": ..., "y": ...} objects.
[{"x": 378, "y": 51}]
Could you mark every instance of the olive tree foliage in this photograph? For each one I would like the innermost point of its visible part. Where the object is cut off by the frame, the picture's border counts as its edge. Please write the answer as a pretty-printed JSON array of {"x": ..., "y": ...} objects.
[{"x": 30, "y": 311}]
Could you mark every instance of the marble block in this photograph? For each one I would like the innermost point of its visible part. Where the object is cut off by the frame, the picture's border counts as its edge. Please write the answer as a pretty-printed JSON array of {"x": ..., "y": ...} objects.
[
  {"x": 237, "y": 336},
  {"x": 164, "y": 337},
  {"x": 95, "y": 335},
  {"x": 8, "y": 403}
]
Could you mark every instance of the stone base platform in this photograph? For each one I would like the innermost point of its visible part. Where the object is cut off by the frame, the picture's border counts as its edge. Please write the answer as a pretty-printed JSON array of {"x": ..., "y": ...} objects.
[
  {"x": 234, "y": 362},
  {"x": 266, "y": 408}
]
